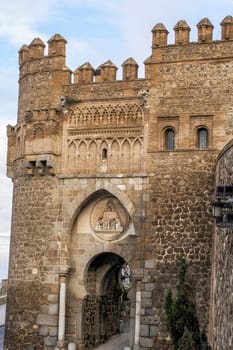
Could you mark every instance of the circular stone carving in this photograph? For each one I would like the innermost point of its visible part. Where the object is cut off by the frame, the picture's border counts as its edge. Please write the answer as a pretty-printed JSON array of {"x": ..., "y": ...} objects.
[{"x": 109, "y": 219}]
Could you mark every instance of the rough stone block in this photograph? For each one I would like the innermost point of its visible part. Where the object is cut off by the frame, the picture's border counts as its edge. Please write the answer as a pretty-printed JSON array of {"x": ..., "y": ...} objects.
[
  {"x": 121, "y": 187},
  {"x": 146, "y": 342},
  {"x": 149, "y": 264},
  {"x": 50, "y": 341},
  {"x": 146, "y": 303},
  {"x": 146, "y": 294},
  {"x": 150, "y": 320},
  {"x": 43, "y": 330},
  {"x": 53, "y": 309},
  {"x": 47, "y": 320},
  {"x": 153, "y": 331},
  {"x": 149, "y": 286},
  {"x": 144, "y": 330},
  {"x": 44, "y": 309},
  {"x": 52, "y": 331}
]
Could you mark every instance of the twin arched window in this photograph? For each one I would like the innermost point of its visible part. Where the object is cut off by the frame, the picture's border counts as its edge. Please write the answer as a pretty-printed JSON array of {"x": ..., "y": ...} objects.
[{"x": 201, "y": 137}]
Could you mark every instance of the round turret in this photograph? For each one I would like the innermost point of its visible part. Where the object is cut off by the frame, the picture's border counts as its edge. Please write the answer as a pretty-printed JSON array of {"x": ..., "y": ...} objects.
[
  {"x": 159, "y": 35},
  {"x": 182, "y": 31}
]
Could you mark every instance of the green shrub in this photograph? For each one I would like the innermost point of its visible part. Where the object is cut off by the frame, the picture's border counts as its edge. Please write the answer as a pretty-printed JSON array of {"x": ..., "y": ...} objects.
[{"x": 182, "y": 321}]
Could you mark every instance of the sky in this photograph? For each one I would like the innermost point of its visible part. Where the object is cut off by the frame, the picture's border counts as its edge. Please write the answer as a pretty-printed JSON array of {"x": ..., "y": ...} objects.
[{"x": 96, "y": 30}]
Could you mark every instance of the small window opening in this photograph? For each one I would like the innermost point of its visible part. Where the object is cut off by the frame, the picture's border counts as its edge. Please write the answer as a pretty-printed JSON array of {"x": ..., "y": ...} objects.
[
  {"x": 202, "y": 138},
  {"x": 169, "y": 139},
  {"x": 104, "y": 153}
]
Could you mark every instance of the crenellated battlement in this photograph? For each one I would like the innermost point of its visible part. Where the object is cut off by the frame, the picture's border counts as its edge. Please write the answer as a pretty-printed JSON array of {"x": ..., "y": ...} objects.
[
  {"x": 56, "y": 47},
  {"x": 182, "y": 32},
  {"x": 32, "y": 58},
  {"x": 45, "y": 77}
]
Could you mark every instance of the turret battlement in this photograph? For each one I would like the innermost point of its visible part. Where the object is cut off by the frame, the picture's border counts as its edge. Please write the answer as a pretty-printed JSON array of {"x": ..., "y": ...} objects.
[
  {"x": 56, "y": 47},
  {"x": 32, "y": 58},
  {"x": 45, "y": 77},
  {"x": 182, "y": 32}
]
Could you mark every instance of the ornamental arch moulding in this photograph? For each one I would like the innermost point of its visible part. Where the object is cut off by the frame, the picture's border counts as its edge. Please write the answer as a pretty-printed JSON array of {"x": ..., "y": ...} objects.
[{"x": 102, "y": 187}]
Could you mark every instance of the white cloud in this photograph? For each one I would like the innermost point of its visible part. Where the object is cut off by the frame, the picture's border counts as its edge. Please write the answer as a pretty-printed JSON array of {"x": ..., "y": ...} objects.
[
  {"x": 6, "y": 184},
  {"x": 4, "y": 252},
  {"x": 19, "y": 19},
  {"x": 18, "y": 33},
  {"x": 103, "y": 5},
  {"x": 77, "y": 50},
  {"x": 26, "y": 11},
  {"x": 136, "y": 18},
  {"x": 8, "y": 114}
]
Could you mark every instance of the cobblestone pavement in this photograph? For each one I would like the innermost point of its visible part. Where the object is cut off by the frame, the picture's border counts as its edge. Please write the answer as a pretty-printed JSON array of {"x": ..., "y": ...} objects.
[{"x": 117, "y": 342}]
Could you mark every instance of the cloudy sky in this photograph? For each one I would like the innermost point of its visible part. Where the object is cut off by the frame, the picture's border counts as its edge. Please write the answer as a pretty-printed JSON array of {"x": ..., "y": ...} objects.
[{"x": 96, "y": 30}]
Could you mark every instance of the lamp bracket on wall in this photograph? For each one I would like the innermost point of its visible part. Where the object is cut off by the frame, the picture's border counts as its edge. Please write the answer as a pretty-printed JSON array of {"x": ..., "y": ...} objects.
[{"x": 222, "y": 206}]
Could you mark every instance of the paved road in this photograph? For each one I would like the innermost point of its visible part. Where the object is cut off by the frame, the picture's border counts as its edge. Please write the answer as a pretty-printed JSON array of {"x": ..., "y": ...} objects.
[{"x": 117, "y": 342}]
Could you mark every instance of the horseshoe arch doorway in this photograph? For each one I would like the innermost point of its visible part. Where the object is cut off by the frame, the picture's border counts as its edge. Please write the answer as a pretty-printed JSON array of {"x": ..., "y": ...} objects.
[{"x": 106, "y": 307}]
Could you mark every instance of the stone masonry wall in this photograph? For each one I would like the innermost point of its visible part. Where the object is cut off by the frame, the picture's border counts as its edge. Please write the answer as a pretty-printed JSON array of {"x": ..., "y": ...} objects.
[
  {"x": 178, "y": 223},
  {"x": 33, "y": 261},
  {"x": 223, "y": 265},
  {"x": 107, "y": 138}
]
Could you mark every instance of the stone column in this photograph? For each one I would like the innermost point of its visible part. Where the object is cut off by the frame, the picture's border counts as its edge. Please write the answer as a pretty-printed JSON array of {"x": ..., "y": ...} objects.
[
  {"x": 61, "y": 343},
  {"x": 137, "y": 316}
]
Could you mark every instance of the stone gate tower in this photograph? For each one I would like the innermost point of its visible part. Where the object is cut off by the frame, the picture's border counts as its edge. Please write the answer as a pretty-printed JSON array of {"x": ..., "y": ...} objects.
[{"x": 113, "y": 181}]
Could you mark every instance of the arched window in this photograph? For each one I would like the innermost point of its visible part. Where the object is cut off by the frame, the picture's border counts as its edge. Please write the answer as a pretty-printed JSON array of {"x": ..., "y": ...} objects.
[
  {"x": 202, "y": 138},
  {"x": 169, "y": 139},
  {"x": 104, "y": 153}
]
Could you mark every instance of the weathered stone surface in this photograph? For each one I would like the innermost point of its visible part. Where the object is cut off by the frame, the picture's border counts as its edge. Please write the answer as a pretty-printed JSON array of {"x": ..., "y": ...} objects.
[
  {"x": 223, "y": 265},
  {"x": 110, "y": 172},
  {"x": 50, "y": 341},
  {"x": 144, "y": 331},
  {"x": 53, "y": 331},
  {"x": 47, "y": 320},
  {"x": 44, "y": 330},
  {"x": 53, "y": 309},
  {"x": 53, "y": 299},
  {"x": 146, "y": 342}
]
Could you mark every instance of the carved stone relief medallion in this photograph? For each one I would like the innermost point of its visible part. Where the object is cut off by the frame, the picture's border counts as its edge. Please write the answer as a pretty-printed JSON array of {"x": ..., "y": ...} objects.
[{"x": 109, "y": 219}]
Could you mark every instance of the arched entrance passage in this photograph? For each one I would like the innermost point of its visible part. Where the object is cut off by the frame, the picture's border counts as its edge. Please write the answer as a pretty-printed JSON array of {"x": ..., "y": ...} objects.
[
  {"x": 101, "y": 242},
  {"x": 106, "y": 307}
]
